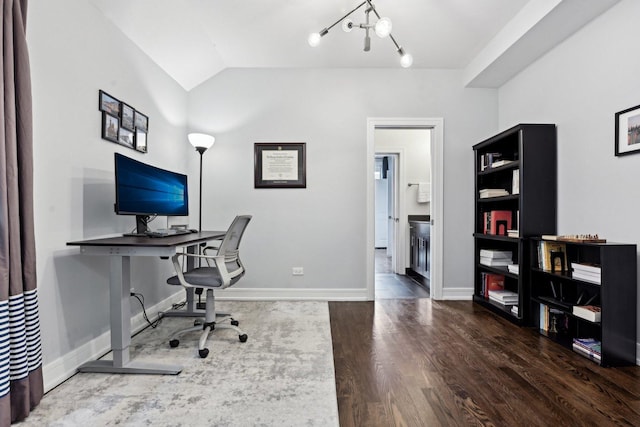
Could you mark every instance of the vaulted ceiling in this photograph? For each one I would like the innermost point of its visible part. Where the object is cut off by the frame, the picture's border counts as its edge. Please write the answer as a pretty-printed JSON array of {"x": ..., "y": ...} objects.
[{"x": 492, "y": 40}]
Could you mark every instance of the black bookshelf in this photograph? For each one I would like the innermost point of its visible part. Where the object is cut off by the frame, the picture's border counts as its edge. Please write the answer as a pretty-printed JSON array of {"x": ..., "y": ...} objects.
[
  {"x": 530, "y": 152},
  {"x": 615, "y": 294}
]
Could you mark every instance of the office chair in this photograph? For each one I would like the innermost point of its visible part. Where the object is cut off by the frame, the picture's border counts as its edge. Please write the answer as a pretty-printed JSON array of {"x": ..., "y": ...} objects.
[{"x": 217, "y": 271}]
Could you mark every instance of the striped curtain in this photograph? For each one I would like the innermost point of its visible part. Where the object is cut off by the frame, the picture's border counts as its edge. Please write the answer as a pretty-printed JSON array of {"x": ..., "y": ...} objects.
[{"x": 21, "y": 385}]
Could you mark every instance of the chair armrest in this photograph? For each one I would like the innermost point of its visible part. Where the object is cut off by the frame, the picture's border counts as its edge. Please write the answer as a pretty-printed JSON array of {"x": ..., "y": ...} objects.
[{"x": 225, "y": 275}]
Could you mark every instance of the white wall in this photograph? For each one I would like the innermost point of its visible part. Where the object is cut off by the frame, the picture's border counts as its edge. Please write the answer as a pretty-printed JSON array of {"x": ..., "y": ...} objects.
[
  {"x": 322, "y": 227},
  {"x": 580, "y": 85},
  {"x": 75, "y": 52}
]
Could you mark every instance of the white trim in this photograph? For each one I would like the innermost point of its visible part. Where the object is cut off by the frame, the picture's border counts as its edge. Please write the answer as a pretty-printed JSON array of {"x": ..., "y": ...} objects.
[
  {"x": 288, "y": 294},
  {"x": 400, "y": 182},
  {"x": 63, "y": 368},
  {"x": 460, "y": 294},
  {"x": 437, "y": 193}
]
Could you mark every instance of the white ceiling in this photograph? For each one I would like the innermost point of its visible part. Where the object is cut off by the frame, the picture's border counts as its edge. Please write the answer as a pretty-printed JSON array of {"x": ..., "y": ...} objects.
[{"x": 193, "y": 40}]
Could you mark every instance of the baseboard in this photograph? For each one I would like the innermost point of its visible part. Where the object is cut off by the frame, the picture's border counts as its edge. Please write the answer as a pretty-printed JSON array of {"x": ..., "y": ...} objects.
[
  {"x": 461, "y": 294},
  {"x": 286, "y": 294},
  {"x": 63, "y": 368}
]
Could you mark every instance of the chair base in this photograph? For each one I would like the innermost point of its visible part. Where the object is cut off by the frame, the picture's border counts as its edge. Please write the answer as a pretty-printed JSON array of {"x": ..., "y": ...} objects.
[{"x": 208, "y": 325}]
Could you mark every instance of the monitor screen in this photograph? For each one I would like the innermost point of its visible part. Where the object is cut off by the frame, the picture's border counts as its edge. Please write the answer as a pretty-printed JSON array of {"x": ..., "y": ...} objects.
[{"x": 142, "y": 189}]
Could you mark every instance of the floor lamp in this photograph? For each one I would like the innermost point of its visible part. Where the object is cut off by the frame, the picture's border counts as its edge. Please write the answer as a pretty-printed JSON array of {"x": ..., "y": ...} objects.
[{"x": 201, "y": 142}]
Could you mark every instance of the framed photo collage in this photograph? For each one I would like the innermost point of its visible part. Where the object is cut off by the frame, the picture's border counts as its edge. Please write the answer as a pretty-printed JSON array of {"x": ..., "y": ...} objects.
[{"x": 123, "y": 124}]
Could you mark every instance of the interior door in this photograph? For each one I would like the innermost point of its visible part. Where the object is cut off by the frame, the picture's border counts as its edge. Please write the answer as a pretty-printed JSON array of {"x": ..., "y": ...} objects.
[
  {"x": 381, "y": 233},
  {"x": 392, "y": 208}
]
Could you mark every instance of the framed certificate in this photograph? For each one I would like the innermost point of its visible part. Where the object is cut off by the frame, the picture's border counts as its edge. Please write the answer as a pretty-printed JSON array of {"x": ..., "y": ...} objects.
[{"x": 280, "y": 165}]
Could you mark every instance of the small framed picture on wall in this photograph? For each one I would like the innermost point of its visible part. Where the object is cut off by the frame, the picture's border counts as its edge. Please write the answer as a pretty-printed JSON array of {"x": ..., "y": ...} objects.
[
  {"x": 141, "y": 121},
  {"x": 628, "y": 131},
  {"x": 126, "y": 117},
  {"x": 125, "y": 137},
  {"x": 141, "y": 141},
  {"x": 110, "y": 127},
  {"x": 108, "y": 103}
]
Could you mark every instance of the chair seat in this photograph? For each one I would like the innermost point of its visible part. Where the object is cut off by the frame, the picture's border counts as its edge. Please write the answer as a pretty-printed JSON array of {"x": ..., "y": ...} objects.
[{"x": 207, "y": 277}]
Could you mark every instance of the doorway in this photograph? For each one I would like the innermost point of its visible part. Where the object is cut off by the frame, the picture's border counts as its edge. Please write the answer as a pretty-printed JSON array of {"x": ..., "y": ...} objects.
[{"x": 398, "y": 158}]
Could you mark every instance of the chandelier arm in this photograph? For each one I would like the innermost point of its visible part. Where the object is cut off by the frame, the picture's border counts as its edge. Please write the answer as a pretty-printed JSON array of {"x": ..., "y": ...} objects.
[
  {"x": 340, "y": 20},
  {"x": 394, "y": 41}
]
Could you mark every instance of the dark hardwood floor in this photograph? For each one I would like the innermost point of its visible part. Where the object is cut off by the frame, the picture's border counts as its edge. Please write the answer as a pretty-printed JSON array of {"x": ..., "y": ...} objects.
[
  {"x": 418, "y": 362},
  {"x": 391, "y": 285}
]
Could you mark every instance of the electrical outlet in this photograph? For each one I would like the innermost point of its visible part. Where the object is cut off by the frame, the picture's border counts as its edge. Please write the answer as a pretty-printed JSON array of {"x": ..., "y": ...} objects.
[
  {"x": 132, "y": 291},
  {"x": 297, "y": 271}
]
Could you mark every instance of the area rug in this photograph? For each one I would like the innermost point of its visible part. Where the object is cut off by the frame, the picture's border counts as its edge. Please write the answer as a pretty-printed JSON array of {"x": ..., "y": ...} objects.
[{"x": 282, "y": 376}]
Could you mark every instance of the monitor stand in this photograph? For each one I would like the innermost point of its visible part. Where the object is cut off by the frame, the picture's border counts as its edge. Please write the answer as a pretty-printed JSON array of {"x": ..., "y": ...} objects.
[{"x": 141, "y": 226}]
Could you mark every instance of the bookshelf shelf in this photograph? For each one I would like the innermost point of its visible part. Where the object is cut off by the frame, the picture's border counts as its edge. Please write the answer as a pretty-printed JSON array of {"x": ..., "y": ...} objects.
[
  {"x": 529, "y": 207},
  {"x": 615, "y": 295}
]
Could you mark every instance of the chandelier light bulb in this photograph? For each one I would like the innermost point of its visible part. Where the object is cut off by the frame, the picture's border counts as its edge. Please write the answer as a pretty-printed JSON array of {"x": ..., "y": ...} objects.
[
  {"x": 314, "y": 39},
  {"x": 406, "y": 60},
  {"x": 383, "y": 27}
]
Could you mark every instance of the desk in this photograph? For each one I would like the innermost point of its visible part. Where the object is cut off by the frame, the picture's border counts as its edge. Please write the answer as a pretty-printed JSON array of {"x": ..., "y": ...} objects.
[{"x": 120, "y": 250}]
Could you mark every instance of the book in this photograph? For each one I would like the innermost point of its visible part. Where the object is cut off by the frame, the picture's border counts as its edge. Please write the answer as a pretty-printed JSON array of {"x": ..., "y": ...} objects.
[
  {"x": 587, "y": 277},
  {"x": 588, "y": 312},
  {"x": 559, "y": 261},
  {"x": 497, "y": 222},
  {"x": 492, "y": 282},
  {"x": 495, "y": 262},
  {"x": 514, "y": 310},
  {"x": 492, "y": 192},
  {"x": 501, "y": 162},
  {"x": 513, "y": 233},
  {"x": 588, "y": 347},
  {"x": 496, "y": 254},
  {"x": 513, "y": 268},
  {"x": 503, "y": 295},
  {"x": 586, "y": 267},
  {"x": 515, "y": 182},
  {"x": 487, "y": 159}
]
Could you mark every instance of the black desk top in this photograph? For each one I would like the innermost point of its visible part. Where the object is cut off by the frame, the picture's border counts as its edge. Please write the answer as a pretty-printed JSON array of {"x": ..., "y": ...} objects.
[{"x": 169, "y": 241}]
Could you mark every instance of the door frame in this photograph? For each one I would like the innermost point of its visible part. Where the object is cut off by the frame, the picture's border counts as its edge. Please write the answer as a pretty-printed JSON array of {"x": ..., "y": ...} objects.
[{"x": 437, "y": 191}]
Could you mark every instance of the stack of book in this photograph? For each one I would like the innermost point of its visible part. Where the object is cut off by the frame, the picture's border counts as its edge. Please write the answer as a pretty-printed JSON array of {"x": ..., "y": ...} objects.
[
  {"x": 495, "y": 258},
  {"x": 588, "y": 312},
  {"x": 503, "y": 297},
  {"x": 493, "y": 192},
  {"x": 588, "y": 347},
  {"x": 587, "y": 272}
]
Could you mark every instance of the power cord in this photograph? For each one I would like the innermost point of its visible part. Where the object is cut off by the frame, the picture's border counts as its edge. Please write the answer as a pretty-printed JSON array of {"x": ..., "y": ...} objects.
[{"x": 140, "y": 299}]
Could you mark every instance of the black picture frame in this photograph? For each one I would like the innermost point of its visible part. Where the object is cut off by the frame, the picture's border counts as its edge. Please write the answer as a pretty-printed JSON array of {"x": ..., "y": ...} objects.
[
  {"x": 127, "y": 117},
  {"x": 627, "y": 140},
  {"x": 141, "y": 141},
  {"x": 141, "y": 121},
  {"x": 110, "y": 127},
  {"x": 108, "y": 103},
  {"x": 126, "y": 138},
  {"x": 280, "y": 165}
]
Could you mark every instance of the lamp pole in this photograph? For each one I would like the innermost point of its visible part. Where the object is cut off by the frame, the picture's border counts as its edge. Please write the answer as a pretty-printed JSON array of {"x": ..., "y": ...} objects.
[{"x": 200, "y": 150}]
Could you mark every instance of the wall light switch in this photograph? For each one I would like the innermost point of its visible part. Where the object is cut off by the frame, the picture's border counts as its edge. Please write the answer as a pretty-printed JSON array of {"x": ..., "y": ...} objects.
[{"x": 297, "y": 271}]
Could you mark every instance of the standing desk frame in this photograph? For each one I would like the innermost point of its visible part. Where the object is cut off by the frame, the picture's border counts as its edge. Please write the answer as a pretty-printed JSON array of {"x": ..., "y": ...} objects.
[{"x": 120, "y": 250}]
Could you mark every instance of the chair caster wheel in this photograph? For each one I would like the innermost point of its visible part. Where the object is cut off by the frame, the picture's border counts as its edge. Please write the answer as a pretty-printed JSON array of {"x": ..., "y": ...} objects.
[
  {"x": 203, "y": 353},
  {"x": 174, "y": 343},
  {"x": 235, "y": 322},
  {"x": 243, "y": 337}
]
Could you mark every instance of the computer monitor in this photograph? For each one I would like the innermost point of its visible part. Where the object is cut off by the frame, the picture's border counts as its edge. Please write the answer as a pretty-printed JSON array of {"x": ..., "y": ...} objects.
[{"x": 144, "y": 191}]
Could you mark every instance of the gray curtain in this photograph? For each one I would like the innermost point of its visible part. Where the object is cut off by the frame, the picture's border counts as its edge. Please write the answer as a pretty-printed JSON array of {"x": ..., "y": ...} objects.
[{"x": 21, "y": 385}]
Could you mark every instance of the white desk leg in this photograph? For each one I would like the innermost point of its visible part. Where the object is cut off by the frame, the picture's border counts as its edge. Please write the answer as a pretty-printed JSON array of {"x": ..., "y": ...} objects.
[{"x": 120, "y": 288}]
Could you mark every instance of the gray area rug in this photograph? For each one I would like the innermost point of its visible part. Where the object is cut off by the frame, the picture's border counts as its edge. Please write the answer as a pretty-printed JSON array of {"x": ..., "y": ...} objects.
[{"x": 282, "y": 376}]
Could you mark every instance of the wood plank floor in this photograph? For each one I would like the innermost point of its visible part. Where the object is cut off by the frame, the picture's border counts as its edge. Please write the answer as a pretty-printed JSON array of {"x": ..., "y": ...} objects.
[{"x": 452, "y": 363}]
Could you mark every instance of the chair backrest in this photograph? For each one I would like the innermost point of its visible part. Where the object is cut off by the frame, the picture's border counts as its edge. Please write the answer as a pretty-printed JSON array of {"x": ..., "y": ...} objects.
[{"x": 229, "y": 247}]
